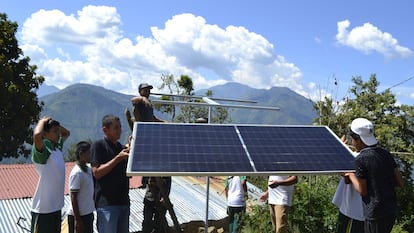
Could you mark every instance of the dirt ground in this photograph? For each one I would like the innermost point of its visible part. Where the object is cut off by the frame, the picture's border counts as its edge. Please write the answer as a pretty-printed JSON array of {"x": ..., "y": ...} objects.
[{"x": 220, "y": 226}]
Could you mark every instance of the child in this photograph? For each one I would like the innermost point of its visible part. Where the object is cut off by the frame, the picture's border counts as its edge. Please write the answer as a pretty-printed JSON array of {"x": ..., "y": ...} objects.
[
  {"x": 109, "y": 162},
  {"x": 48, "y": 200},
  {"x": 236, "y": 193},
  {"x": 81, "y": 192}
]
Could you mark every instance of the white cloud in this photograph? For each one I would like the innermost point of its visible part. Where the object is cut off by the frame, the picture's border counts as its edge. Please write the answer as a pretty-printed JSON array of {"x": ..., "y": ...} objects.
[
  {"x": 36, "y": 53},
  {"x": 90, "y": 48},
  {"x": 92, "y": 23},
  {"x": 368, "y": 38}
]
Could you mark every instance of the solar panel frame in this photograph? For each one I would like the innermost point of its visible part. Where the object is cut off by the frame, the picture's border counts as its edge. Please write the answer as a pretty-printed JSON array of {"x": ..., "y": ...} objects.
[{"x": 186, "y": 151}]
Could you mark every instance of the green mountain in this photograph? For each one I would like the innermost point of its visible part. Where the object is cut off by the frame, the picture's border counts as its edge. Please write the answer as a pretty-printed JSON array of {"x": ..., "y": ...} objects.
[
  {"x": 80, "y": 108},
  {"x": 294, "y": 108}
]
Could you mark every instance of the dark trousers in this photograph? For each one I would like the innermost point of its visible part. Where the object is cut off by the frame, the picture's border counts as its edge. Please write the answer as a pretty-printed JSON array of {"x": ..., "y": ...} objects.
[
  {"x": 46, "y": 223},
  {"x": 380, "y": 225},
  {"x": 87, "y": 221},
  {"x": 346, "y": 224},
  {"x": 235, "y": 216},
  {"x": 154, "y": 217}
]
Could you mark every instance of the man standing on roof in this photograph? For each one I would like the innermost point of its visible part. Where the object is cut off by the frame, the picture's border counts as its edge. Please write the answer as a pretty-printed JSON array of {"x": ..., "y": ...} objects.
[
  {"x": 142, "y": 106},
  {"x": 375, "y": 178},
  {"x": 154, "y": 201}
]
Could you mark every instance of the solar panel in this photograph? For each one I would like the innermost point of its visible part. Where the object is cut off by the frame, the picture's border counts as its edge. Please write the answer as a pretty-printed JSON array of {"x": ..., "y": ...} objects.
[{"x": 161, "y": 149}]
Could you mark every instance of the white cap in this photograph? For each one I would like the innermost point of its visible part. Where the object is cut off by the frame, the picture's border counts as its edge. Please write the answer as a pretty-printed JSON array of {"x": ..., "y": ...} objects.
[{"x": 365, "y": 130}]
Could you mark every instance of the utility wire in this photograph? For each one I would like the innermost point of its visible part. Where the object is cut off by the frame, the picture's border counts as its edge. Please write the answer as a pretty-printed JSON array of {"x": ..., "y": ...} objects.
[{"x": 404, "y": 81}]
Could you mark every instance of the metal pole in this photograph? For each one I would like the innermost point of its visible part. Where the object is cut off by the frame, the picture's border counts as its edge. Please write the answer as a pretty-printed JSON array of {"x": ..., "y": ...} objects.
[
  {"x": 207, "y": 199},
  {"x": 207, "y": 183}
]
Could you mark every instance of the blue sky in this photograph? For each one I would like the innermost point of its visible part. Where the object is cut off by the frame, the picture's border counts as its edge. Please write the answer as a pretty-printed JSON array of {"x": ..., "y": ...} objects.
[{"x": 304, "y": 45}]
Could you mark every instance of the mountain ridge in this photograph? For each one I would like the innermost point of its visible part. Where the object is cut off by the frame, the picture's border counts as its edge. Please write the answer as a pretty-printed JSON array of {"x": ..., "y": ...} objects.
[{"x": 80, "y": 108}]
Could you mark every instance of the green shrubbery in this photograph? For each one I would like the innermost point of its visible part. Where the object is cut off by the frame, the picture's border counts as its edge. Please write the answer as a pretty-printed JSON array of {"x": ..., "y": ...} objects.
[{"x": 313, "y": 211}]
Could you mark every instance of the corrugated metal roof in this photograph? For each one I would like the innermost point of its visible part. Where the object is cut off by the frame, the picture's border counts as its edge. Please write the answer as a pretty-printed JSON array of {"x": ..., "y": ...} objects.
[
  {"x": 187, "y": 195},
  {"x": 20, "y": 180}
]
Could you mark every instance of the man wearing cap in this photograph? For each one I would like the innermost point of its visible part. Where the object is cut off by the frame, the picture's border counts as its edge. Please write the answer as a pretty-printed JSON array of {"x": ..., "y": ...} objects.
[
  {"x": 375, "y": 178},
  {"x": 143, "y": 107},
  {"x": 154, "y": 210}
]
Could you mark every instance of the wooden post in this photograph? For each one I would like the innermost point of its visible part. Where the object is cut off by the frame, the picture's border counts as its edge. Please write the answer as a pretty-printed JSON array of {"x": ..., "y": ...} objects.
[{"x": 167, "y": 204}]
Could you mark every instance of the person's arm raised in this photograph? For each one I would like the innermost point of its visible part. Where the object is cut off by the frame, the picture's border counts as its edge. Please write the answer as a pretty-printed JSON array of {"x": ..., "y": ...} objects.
[{"x": 38, "y": 133}]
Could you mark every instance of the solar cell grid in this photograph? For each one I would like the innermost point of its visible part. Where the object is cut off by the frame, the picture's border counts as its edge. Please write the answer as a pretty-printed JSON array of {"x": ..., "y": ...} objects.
[
  {"x": 296, "y": 149},
  {"x": 173, "y": 149},
  {"x": 204, "y": 149}
]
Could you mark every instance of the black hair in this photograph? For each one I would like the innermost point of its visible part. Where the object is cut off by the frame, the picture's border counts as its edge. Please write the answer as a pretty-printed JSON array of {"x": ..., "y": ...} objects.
[
  {"x": 108, "y": 119},
  {"x": 82, "y": 146},
  {"x": 353, "y": 135},
  {"x": 50, "y": 124}
]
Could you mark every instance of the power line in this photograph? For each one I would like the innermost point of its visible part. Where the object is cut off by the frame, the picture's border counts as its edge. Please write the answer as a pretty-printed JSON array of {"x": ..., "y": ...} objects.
[{"x": 404, "y": 81}]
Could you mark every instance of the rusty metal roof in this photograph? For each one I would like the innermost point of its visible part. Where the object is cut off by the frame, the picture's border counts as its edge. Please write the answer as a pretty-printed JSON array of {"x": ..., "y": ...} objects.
[{"x": 20, "y": 180}]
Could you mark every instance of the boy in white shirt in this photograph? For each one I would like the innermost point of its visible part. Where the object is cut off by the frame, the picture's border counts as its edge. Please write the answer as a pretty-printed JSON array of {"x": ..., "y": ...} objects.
[{"x": 80, "y": 216}]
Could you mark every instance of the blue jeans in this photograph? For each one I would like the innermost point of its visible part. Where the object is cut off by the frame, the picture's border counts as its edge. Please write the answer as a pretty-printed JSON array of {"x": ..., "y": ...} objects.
[{"x": 113, "y": 219}]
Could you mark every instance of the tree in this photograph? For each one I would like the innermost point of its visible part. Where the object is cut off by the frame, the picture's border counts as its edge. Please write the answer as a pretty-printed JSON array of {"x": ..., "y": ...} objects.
[
  {"x": 311, "y": 210},
  {"x": 393, "y": 123},
  {"x": 188, "y": 113},
  {"x": 394, "y": 129},
  {"x": 182, "y": 90},
  {"x": 172, "y": 86},
  {"x": 18, "y": 99}
]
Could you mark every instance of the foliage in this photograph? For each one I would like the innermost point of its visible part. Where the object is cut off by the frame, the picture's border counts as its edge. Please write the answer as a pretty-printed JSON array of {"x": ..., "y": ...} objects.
[
  {"x": 182, "y": 90},
  {"x": 169, "y": 83},
  {"x": 394, "y": 130},
  {"x": 257, "y": 219},
  {"x": 259, "y": 181},
  {"x": 18, "y": 99},
  {"x": 312, "y": 210},
  {"x": 405, "y": 225},
  {"x": 393, "y": 123}
]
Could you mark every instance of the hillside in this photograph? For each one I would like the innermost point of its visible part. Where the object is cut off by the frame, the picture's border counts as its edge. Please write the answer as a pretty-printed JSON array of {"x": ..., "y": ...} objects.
[
  {"x": 294, "y": 108},
  {"x": 45, "y": 89},
  {"x": 80, "y": 108}
]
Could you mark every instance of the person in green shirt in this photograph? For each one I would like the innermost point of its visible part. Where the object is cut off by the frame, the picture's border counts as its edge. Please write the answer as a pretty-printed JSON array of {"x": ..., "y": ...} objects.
[{"x": 48, "y": 200}]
